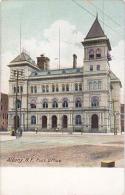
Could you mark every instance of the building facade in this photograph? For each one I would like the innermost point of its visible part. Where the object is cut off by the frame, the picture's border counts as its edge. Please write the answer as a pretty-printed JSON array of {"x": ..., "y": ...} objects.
[
  {"x": 85, "y": 98},
  {"x": 3, "y": 111},
  {"x": 122, "y": 117}
]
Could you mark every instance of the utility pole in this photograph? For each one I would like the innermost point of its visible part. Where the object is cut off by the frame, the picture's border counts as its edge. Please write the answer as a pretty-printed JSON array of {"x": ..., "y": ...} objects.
[{"x": 16, "y": 112}]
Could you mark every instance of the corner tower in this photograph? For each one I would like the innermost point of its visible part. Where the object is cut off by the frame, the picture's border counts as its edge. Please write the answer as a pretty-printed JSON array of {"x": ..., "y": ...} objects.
[{"x": 96, "y": 78}]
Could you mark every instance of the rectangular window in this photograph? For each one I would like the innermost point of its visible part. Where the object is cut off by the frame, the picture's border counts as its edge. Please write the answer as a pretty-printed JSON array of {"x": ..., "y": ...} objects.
[
  {"x": 98, "y": 67},
  {"x": 91, "y": 67},
  {"x": 63, "y": 87}
]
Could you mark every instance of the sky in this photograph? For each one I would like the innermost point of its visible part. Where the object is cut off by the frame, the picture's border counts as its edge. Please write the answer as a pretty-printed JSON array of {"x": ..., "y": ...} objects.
[{"x": 40, "y": 22}]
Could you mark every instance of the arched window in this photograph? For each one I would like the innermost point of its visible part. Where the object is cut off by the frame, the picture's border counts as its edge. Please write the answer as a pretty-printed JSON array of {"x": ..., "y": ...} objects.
[
  {"x": 55, "y": 104},
  {"x": 98, "y": 53},
  {"x": 76, "y": 86},
  {"x": 78, "y": 120},
  {"x": 65, "y": 103},
  {"x": 18, "y": 104},
  {"x": 45, "y": 104},
  {"x": 95, "y": 101},
  {"x": 33, "y": 120},
  {"x": 91, "y": 54},
  {"x": 78, "y": 103}
]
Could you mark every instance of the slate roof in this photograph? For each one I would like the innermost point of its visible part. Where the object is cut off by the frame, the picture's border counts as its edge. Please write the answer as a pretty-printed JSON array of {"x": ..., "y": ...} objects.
[
  {"x": 95, "y": 31},
  {"x": 23, "y": 57}
]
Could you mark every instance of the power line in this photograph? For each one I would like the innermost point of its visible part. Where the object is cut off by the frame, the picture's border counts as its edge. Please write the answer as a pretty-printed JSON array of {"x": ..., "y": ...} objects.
[
  {"x": 105, "y": 13},
  {"x": 92, "y": 14}
]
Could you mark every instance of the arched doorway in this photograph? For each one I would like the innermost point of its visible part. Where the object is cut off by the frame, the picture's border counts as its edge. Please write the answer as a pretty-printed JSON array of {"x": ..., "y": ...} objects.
[
  {"x": 44, "y": 122},
  {"x": 54, "y": 121},
  {"x": 94, "y": 121},
  {"x": 16, "y": 122},
  {"x": 64, "y": 121}
]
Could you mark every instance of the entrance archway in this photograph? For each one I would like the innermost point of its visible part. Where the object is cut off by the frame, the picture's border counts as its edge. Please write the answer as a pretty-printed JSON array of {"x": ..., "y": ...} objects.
[
  {"x": 94, "y": 121},
  {"x": 64, "y": 121},
  {"x": 54, "y": 121},
  {"x": 44, "y": 122},
  {"x": 16, "y": 122}
]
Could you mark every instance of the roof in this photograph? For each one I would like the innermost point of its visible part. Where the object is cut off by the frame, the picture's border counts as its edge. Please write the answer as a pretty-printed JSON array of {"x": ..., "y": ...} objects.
[
  {"x": 96, "y": 30},
  {"x": 57, "y": 72},
  {"x": 23, "y": 57},
  {"x": 114, "y": 78}
]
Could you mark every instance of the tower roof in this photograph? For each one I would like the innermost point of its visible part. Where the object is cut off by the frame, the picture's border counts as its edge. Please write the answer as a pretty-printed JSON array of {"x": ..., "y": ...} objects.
[
  {"x": 23, "y": 57},
  {"x": 96, "y": 30}
]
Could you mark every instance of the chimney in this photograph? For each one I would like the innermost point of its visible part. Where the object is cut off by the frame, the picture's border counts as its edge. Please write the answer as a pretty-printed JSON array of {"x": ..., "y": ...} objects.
[
  {"x": 43, "y": 62},
  {"x": 74, "y": 60}
]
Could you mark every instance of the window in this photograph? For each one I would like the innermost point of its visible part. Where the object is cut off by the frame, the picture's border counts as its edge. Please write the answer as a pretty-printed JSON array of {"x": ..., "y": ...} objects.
[
  {"x": 78, "y": 103},
  {"x": 78, "y": 120},
  {"x": 21, "y": 89},
  {"x": 55, "y": 104},
  {"x": 95, "y": 101},
  {"x": 80, "y": 87},
  {"x": 65, "y": 104},
  {"x": 90, "y": 85},
  {"x": 47, "y": 88},
  {"x": 98, "y": 67},
  {"x": 35, "y": 89},
  {"x": 33, "y": 120},
  {"x": 91, "y": 54},
  {"x": 57, "y": 89},
  {"x": 67, "y": 87},
  {"x": 76, "y": 86},
  {"x": 14, "y": 89},
  {"x": 53, "y": 88},
  {"x": 63, "y": 87},
  {"x": 31, "y": 89},
  {"x": 43, "y": 88},
  {"x": 18, "y": 89},
  {"x": 95, "y": 85},
  {"x": 99, "y": 84},
  {"x": 32, "y": 105},
  {"x": 45, "y": 104},
  {"x": 98, "y": 53},
  {"x": 91, "y": 67},
  {"x": 18, "y": 104}
]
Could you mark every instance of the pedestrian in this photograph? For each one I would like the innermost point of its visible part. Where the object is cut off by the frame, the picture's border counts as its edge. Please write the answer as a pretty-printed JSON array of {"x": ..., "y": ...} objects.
[{"x": 36, "y": 130}]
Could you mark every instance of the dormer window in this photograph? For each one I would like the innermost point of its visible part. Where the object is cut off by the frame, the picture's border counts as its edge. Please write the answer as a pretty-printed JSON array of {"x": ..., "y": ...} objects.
[
  {"x": 98, "y": 53},
  {"x": 91, "y": 54}
]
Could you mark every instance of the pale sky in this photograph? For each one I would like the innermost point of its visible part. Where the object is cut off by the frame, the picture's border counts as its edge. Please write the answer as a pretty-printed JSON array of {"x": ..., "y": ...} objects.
[{"x": 40, "y": 22}]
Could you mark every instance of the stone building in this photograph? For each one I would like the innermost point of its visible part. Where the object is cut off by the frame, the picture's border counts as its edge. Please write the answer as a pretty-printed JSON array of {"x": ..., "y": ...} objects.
[
  {"x": 122, "y": 117},
  {"x": 85, "y": 98},
  {"x": 3, "y": 111}
]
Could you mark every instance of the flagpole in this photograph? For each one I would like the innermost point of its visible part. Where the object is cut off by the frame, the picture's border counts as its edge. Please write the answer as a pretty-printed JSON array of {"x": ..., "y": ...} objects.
[{"x": 59, "y": 47}]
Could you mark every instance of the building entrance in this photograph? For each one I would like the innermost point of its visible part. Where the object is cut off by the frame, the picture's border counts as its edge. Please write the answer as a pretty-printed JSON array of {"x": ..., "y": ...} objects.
[
  {"x": 64, "y": 121},
  {"x": 94, "y": 121},
  {"x": 54, "y": 121}
]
